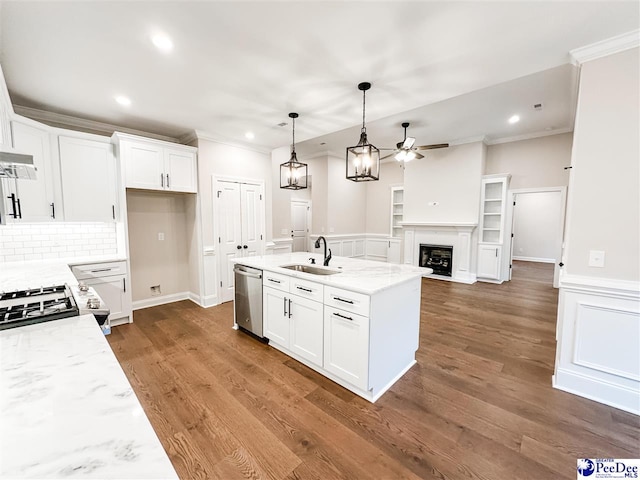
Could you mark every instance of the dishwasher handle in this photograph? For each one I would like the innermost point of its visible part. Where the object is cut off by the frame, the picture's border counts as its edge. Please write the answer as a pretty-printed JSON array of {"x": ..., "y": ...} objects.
[{"x": 247, "y": 274}]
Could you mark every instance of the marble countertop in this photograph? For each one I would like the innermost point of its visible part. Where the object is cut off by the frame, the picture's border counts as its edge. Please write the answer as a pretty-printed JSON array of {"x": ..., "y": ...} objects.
[
  {"x": 68, "y": 410},
  {"x": 363, "y": 276},
  {"x": 43, "y": 273}
]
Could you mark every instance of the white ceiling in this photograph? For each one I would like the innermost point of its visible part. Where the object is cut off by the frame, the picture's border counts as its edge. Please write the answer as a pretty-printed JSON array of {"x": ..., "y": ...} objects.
[{"x": 453, "y": 69}]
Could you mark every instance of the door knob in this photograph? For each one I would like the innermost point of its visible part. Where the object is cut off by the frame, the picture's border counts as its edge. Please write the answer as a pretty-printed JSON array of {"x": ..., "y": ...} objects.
[
  {"x": 239, "y": 247},
  {"x": 245, "y": 246}
]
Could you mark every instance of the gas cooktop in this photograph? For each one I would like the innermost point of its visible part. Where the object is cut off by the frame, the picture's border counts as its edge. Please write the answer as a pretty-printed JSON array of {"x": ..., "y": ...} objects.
[{"x": 26, "y": 307}]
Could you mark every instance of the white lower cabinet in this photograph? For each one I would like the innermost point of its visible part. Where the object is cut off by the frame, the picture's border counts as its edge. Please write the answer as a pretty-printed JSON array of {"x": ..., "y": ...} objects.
[
  {"x": 294, "y": 323},
  {"x": 346, "y": 346},
  {"x": 489, "y": 261}
]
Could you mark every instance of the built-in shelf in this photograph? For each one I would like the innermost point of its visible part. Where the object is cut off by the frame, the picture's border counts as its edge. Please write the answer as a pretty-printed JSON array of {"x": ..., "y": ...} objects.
[{"x": 397, "y": 211}]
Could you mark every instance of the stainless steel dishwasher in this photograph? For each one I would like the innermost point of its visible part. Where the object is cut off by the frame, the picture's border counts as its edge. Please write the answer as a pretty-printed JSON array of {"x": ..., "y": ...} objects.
[{"x": 248, "y": 299}]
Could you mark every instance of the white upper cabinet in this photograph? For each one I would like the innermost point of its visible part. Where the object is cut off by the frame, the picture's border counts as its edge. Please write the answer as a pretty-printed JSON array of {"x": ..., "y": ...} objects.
[
  {"x": 5, "y": 112},
  {"x": 494, "y": 237},
  {"x": 32, "y": 200},
  {"x": 155, "y": 165},
  {"x": 89, "y": 185}
]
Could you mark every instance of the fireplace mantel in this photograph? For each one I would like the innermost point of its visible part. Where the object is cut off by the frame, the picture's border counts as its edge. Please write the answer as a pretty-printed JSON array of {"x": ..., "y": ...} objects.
[{"x": 456, "y": 234}]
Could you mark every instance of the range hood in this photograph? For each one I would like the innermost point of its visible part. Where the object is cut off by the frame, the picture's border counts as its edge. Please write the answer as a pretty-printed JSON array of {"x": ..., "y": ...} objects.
[{"x": 17, "y": 165}]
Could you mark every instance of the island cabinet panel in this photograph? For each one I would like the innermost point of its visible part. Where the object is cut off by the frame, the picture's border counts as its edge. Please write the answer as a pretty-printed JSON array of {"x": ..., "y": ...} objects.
[
  {"x": 306, "y": 328},
  {"x": 274, "y": 280},
  {"x": 357, "y": 303},
  {"x": 346, "y": 346},
  {"x": 276, "y": 318}
]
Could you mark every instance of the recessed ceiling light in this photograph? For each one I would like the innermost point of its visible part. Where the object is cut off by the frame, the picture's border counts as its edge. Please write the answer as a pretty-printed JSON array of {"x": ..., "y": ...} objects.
[
  {"x": 162, "y": 42},
  {"x": 250, "y": 135},
  {"x": 122, "y": 100},
  {"x": 514, "y": 119}
]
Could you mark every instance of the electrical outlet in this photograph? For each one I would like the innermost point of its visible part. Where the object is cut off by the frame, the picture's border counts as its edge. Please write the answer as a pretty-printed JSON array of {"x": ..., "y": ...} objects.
[
  {"x": 161, "y": 236},
  {"x": 155, "y": 290},
  {"x": 596, "y": 258}
]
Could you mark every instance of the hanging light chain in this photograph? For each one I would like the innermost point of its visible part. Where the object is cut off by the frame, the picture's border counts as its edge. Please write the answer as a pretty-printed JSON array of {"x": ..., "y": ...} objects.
[{"x": 364, "y": 93}]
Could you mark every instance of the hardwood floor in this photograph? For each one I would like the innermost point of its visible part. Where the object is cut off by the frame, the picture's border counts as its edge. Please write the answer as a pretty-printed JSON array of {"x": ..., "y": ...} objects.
[{"x": 478, "y": 405}]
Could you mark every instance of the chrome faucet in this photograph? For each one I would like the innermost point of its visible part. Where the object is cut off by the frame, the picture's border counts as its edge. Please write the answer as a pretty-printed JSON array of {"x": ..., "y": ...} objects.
[{"x": 317, "y": 245}]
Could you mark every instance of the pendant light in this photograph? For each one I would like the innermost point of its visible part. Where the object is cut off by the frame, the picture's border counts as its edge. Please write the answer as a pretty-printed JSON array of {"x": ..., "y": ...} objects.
[
  {"x": 363, "y": 159},
  {"x": 293, "y": 174}
]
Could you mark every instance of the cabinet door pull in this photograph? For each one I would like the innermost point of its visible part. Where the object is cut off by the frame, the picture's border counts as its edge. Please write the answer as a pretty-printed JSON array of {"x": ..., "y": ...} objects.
[
  {"x": 12, "y": 197},
  {"x": 239, "y": 247},
  {"x": 124, "y": 284},
  {"x": 496, "y": 253},
  {"x": 289, "y": 308},
  {"x": 274, "y": 280},
  {"x": 53, "y": 210},
  {"x": 343, "y": 316},
  {"x": 101, "y": 270},
  {"x": 168, "y": 186},
  {"x": 245, "y": 246},
  {"x": 285, "y": 306},
  {"x": 19, "y": 209},
  {"x": 304, "y": 289},
  {"x": 113, "y": 211},
  {"x": 162, "y": 180},
  {"x": 343, "y": 300}
]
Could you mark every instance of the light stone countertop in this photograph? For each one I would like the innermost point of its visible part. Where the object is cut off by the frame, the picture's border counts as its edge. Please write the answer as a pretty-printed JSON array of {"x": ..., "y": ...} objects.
[
  {"x": 68, "y": 410},
  {"x": 363, "y": 276},
  {"x": 41, "y": 273}
]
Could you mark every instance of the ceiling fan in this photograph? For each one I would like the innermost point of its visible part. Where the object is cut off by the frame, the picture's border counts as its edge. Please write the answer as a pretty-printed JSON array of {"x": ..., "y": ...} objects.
[{"x": 405, "y": 151}]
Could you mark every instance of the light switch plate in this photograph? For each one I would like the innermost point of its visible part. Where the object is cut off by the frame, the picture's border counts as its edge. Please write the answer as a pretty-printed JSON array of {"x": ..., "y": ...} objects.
[
  {"x": 161, "y": 236},
  {"x": 596, "y": 258}
]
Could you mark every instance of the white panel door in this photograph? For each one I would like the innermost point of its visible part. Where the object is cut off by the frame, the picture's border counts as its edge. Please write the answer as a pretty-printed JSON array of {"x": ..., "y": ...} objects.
[
  {"x": 251, "y": 213},
  {"x": 346, "y": 346},
  {"x": 35, "y": 196},
  {"x": 275, "y": 311},
  {"x": 306, "y": 328},
  {"x": 144, "y": 165},
  {"x": 299, "y": 227},
  {"x": 230, "y": 233},
  {"x": 180, "y": 171},
  {"x": 89, "y": 187},
  {"x": 489, "y": 261},
  {"x": 112, "y": 291}
]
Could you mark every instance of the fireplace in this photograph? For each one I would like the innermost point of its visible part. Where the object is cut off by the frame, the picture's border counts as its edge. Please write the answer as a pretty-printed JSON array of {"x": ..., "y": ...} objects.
[{"x": 436, "y": 257}]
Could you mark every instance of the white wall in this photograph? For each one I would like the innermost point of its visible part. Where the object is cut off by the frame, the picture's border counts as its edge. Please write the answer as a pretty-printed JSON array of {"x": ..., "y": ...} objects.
[
  {"x": 452, "y": 178},
  {"x": 378, "y": 202},
  {"x": 537, "y": 162},
  {"x": 536, "y": 226},
  {"x": 346, "y": 200},
  {"x": 598, "y": 353},
  {"x": 153, "y": 261}
]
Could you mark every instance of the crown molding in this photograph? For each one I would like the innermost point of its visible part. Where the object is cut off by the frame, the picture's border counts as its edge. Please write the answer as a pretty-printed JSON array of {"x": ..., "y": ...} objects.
[
  {"x": 217, "y": 138},
  {"x": 529, "y": 136},
  {"x": 606, "y": 47},
  {"x": 463, "y": 141},
  {"x": 82, "y": 124}
]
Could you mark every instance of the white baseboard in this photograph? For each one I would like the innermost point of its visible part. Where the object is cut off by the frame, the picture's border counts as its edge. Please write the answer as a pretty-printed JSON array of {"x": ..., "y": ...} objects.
[
  {"x": 161, "y": 300},
  {"x": 597, "y": 390},
  {"x": 535, "y": 259},
  {"x": 468, "y": 279}
]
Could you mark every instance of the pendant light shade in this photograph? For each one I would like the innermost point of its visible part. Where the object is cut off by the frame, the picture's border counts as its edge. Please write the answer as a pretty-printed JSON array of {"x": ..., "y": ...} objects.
[
  {"x": 293, "y": 174},
  {"x": 363, "y": 159}
]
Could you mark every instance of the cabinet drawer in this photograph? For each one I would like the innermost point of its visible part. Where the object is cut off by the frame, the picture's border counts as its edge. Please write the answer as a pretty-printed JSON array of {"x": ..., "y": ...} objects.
[
  {"x": 305, "y": 288},
  {"x": 97, "y": 270},
  {"x": 346, "y": 300},
  {"x": 275, "y": 280}
]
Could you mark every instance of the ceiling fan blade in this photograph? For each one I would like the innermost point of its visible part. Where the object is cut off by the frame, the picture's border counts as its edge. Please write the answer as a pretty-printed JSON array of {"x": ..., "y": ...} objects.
[
  {"x": 387, "y": 156},
  {"x": 418, "y": 156},
  {"x": 394, "y": 149},
  {"x": 408, "y": 143},
  {"x": 432, "y": 147}
]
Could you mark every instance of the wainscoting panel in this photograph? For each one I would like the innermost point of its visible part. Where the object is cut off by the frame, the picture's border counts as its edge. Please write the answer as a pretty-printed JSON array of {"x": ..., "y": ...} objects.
[{"x": 598, "y": 352}]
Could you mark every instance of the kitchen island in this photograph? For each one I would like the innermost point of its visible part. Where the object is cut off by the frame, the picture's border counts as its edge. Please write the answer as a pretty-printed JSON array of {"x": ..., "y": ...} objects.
[
  {"x": 66, "y": 407},
  {"x": 357, "y": 322}
]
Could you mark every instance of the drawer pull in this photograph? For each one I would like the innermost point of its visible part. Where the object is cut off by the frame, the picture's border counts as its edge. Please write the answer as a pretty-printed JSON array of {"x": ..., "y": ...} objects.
[
  {"x": 343, "y": 316},
  {"x": 304, "y": 289},
  {"x": 343, "y": 300},
  {"x": 101, "y": 270},
  {"x": 274, "y": 280}
]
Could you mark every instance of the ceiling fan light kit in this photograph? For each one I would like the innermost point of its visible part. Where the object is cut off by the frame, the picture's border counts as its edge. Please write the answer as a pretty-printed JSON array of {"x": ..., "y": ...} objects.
[
  {"x": 405, "y": 151},
  {"x": 363, "y": 159},
  {"x": 293, "y": 173}
]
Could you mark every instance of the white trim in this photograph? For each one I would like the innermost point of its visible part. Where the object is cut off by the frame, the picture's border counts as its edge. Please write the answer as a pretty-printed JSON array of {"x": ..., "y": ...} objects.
[
  {"x": 534, "y": 259},
  {"x": 161, "y": 300},
  {"x": 606, "y": 47},
  {"x": 601, "y": 286},
  {"x": 67, "y": 121},
  {"x": 119, "y": 135},
  {"x": 529, "y": 136},
  {"x": 463, "y": 225},
  {"x": 597, "y": 390}
]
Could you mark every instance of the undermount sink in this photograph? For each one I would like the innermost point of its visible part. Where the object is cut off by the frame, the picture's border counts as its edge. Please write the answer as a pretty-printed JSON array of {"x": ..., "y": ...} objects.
[{"x": 310, "y": 269}]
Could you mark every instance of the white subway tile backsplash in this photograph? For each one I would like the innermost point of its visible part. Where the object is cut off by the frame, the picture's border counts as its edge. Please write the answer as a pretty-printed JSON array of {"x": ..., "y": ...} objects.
[{"x": 57, "y": 240}]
